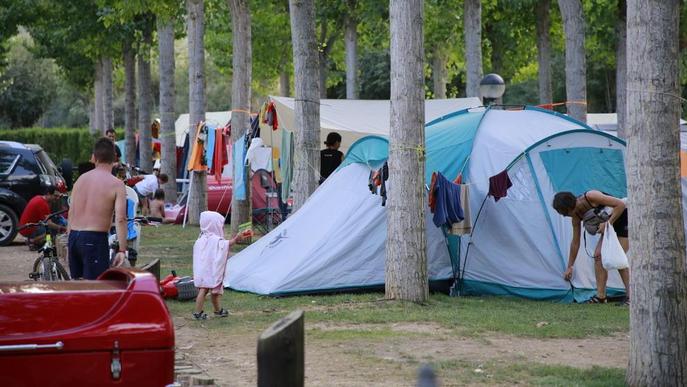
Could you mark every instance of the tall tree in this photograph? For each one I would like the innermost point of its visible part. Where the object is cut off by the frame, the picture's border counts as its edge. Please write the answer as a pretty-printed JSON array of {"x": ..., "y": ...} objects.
[
  {"x": 108, "y": 112},
  {"x": 621, "y": 67},
  {"x": 165, "y": 37},
  {"x": 351, "y": 43},
  {"x": 543, "y": 8},
  {"x": 307, "y": 106},
  {"x": 327, "y": 39},
  {"x": 195, "y": 13},
  {"x": 99, "y": 98},
  {"x": 406, "y": 256},
  {"x": 658, "y": 316},
  {"x": 240, "y": 94},
  {"x": 472, "y": 15},
  {"x": 130, "y": 100},
  {"x": 145, "y": 98},
  {"x": 575, "y": 62},
  {"x": 441, "y": 41}
]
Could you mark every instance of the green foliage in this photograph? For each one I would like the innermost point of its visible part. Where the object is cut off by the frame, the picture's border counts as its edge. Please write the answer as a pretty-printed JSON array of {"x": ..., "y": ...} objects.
[
  {"x": 60, "y": 143},
  {"x": 28, "y": 85}
]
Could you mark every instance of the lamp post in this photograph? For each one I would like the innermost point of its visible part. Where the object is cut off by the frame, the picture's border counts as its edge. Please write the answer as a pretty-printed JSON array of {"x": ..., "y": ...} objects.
[{"x": 491, "y": 88}]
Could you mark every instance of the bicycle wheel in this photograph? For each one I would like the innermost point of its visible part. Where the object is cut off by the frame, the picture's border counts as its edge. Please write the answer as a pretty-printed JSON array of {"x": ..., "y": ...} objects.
[
  {"x": 48, "y": 270},
  {"x": 62, "y": 274}
]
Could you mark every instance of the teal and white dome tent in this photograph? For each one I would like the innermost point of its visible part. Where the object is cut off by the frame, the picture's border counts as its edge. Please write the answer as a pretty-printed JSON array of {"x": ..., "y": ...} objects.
[{"x": 518, "y": 245}]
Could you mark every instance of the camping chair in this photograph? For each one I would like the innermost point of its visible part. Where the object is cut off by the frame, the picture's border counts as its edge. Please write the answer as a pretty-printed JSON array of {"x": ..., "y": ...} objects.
[{"x": 268, "y": 217}]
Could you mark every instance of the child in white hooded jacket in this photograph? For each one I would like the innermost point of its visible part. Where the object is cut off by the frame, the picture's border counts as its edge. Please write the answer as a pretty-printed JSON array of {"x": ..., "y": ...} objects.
[{"x": 210, "y": 255}]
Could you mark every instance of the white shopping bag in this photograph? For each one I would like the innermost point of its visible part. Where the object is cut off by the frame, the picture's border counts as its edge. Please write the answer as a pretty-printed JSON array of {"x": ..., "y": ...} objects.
[{"x": 612, "y": 254}]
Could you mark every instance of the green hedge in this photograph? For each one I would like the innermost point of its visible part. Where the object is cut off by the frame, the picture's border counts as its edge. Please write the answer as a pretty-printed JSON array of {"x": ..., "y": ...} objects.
[{"x": 75, "y": 144}]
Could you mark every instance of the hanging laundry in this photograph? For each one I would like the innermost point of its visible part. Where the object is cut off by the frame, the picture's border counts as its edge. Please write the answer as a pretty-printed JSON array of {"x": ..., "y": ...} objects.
[
  {"x": 210, "y": 147},
  {"x": 238, "y": 154},
  {"x": 447, "y": 209},
  {"x": 271, "y": 116},
  {"x": 499, "y": 184},
  {"x": 463, "y": 227},
  {"x": 263, "y": 113},
  {"x": 183, "y": 160},
  {"x": 275, "y": 164},
  {"x": 196, "y": 161},
  {"x": 285, "y": 163},
  {"x": 255, "y": 127},
  {"x": 220, "y": 155}
]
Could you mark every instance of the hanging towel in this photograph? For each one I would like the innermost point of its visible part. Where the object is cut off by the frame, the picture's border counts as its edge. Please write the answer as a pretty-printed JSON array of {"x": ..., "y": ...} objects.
[
  {"x": 465, "y": 226},
  {"x": 210, "y": 253},
  {"x": 447, "y": 209},
  {"x": 275, "y": 165},
  {"x": 220, "y": 156},
  {"x": 210, "y": 147},
  {"x": 239, "y": 153},
  {"x": 285, "y": 163},
  {"x": 196, "y": 161},
  {"x": 499, "y": 184}
]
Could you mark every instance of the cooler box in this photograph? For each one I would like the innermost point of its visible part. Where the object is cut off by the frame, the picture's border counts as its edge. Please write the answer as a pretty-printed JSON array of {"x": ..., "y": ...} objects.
[{"x": 113, "y": 331}]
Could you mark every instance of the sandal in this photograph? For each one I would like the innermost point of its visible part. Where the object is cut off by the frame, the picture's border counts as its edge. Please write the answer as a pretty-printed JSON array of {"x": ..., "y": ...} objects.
[
  {"x": 222, "y": 313},
  {"x": 200, "y": 315},
  {"x": 625, "y": 302},
  {"x": 596, "y": 300}
]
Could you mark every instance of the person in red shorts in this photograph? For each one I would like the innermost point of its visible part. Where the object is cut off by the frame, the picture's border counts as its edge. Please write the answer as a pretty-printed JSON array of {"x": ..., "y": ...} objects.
[{"x": 36, "y": 210}]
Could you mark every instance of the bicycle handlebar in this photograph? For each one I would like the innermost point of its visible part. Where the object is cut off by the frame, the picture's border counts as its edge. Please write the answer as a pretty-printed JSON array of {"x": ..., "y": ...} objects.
[{"x": 42, "y": 222}]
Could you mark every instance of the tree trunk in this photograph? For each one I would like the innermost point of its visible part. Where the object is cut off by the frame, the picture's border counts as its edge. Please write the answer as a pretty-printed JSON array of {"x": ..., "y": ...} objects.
[
  {"x": 99, "y": 96},
  {"x": 196, "y": 74},
  {"x": 130, "y": 102},
  {"x": 351, "y": 43},
  {"x": 108, "y": 112},
  {"x": 575, "y": 63},
  {"x": 439, "y": 72},
  {"x": 165, "y": 37},
  {"x": 406, "y": 257},
  {"x": 145, "y": 101},
  {"x": 544, "y": 51},
  {"x": 658, "y": 315},
  {"x": 324, "y": 59},
  {"x": 473, "y": 46},
  {"x": 284, "y": 83},
  {"x": 306, "y": 168},
  {"x": 240, "y": 95},
  {"x": 621, "y": 68}
]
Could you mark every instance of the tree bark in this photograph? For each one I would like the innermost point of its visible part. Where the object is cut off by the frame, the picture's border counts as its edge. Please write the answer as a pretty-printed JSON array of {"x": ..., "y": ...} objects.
[
  {"x": 324, "y": 59},
  {"x": 406, "y": 257},
  {"x": 165, "y": 37},
  {"x": 439, "y": 72},
  {"x": 658, "y": 315},
  {"x": 196, "y": 74},
  {"x": 473, "y": 45},
  {"x": 621, "y": 68},
  {"x": 543, "y": 8},
  {"x": 108, "y": 112},
  {"x": 99, "y": 96},
  {"x": 145, "y": 101},
  {"x": 351, "y": 47},
  {"x": 130, "y": 101},
  {"x": 306, "y": 167},
  {"x": 240, "y": 95},
  {"x": 284, "y": 83},
  {"x": 575, "y": 62}
]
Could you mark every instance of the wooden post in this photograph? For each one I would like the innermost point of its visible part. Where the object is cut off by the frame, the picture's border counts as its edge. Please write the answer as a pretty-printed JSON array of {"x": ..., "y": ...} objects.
[{"x": 281, "y": 353}]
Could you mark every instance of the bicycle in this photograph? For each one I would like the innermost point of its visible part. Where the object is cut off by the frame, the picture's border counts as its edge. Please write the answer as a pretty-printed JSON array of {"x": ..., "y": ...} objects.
[{"x": 47, "y": 266}]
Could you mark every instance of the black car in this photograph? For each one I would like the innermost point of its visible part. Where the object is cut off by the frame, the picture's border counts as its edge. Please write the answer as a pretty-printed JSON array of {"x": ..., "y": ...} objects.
[{"x": 25, "y": 171}]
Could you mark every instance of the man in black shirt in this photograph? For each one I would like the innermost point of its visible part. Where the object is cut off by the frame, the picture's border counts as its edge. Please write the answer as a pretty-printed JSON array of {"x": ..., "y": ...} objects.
[
  {"x": 110, "y": 133},
  {"x": 331, "y": 157}
]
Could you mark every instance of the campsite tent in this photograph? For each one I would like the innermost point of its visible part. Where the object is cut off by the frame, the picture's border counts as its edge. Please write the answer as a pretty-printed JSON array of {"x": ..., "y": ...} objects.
[
  {"x": 354, "y": 119},
  {"x": 518, "y": 245},
  {"x": 182, "y": 126}
]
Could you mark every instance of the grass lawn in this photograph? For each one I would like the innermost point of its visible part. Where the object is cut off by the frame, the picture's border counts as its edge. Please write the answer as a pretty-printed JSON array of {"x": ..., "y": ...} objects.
[{"x": 367, "y": 317}]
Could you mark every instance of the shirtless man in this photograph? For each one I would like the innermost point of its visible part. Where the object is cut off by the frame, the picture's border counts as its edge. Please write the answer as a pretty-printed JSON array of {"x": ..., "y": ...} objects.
[{"x": 96, "y": 195}]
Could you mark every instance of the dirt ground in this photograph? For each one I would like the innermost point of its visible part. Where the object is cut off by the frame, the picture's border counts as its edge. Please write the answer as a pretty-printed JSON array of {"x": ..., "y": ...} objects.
[{"x": 230, "y": 358}]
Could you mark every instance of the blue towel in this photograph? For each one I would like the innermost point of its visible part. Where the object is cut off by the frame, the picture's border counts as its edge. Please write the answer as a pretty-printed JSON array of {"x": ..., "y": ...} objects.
[
  {"x": 239, "y": 160},
  {"x": 210, "y": 146},
  {"x": 447, "y": 209}
]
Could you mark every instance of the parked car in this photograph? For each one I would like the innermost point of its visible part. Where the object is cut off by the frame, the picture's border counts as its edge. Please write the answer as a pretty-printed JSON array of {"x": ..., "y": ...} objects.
[
  {"x": 115, "y": 331},
  {"x": 25, "y": 171}
]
